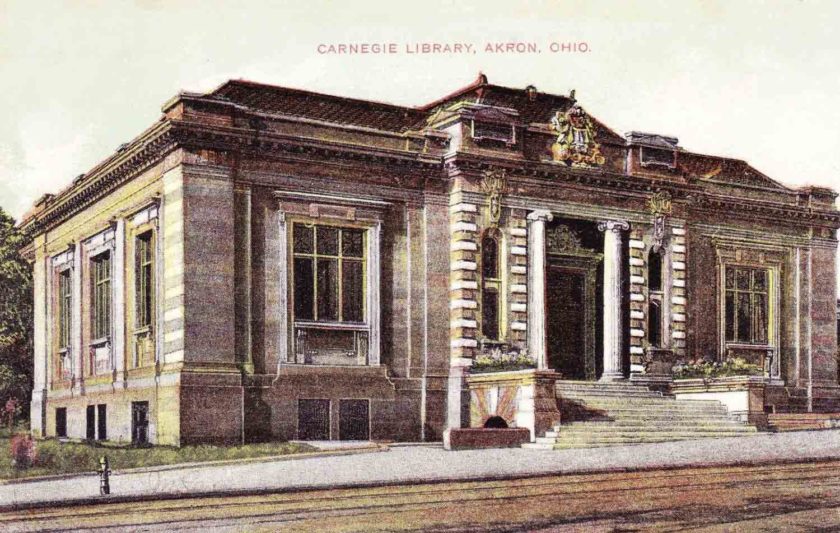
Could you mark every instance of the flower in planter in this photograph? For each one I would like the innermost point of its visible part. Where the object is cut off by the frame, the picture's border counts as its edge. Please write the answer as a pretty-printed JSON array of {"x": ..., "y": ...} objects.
[
  {"x": 701, "y": 368},
  {"x": 497, "y": 360}
]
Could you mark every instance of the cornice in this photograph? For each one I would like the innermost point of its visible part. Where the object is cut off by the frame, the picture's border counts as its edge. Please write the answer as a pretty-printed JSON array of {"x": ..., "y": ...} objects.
[
  {"x": 154, "y": 144},
  {"x": 466, "y": 163},
  {"x": 694, "y": 196},
  {"x": 765, "y": 210},
  {"x": 199, "y": 135},
  {"x": 167, "y": 135}
]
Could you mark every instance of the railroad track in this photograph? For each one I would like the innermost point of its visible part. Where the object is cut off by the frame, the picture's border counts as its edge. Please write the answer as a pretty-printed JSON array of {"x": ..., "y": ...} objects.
[{"x": 666, "y": 500}]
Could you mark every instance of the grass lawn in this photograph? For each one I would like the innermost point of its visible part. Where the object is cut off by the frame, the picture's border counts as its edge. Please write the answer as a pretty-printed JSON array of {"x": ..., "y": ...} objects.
[{"x": 54, "y": 457}]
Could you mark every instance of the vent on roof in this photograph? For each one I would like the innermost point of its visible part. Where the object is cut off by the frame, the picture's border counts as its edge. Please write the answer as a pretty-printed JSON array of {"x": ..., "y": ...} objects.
[
  {"x": 652, "y": 139},
  {"x": 655, "y": 150}
]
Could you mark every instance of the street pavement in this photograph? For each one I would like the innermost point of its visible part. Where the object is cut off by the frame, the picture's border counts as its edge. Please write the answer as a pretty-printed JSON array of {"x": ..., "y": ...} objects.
[{"x": 413, "y": 464}]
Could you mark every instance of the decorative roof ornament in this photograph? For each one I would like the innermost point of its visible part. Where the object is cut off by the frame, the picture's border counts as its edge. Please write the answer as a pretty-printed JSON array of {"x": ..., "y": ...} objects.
[
  {"x": 575, "y": 144},
  {"x": 494, "y": 184},
  {"x": 659, "y": 206},
  {"x": 563, "y": 240}
]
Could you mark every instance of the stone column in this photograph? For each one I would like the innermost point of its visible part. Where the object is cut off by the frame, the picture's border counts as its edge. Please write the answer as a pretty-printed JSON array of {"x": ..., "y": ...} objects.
[
  {"x": 612, "y": 298},
  {"x": 536, "y": 286}
]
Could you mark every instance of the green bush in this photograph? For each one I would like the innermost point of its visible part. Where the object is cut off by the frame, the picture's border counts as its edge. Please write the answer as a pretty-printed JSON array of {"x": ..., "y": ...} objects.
[
  {"x": 701, "y": 368},
  {"x": 56, "y": 457}
]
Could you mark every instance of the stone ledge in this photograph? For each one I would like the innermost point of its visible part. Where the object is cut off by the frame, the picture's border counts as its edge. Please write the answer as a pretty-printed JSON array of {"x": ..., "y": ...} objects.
[{"x": 474, "y": 438}]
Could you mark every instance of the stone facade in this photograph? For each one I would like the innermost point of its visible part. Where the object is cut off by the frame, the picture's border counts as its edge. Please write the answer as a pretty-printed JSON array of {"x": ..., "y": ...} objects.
[{"x": 268, "y": 263}]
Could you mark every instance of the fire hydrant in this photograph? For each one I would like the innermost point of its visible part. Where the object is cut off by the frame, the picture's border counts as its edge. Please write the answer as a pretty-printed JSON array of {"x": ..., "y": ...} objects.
[{"x": 104, "y": 476}]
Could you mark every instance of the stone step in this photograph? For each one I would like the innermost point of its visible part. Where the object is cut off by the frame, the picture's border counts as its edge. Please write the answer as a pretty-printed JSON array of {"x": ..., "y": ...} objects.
[
  {"x": 578, "y": 445},
  {"x": 629, "y": 404},
  {"x": 631, "y": 438},
  {"x": 569, "y": 432},
  {"x": 641, "y": 400},
  {"x": 645, "y": 409},
  {"x": 609, "y": 392},
  {"x": 658, "y": 425},
  {"x": 613, "y": 414}
]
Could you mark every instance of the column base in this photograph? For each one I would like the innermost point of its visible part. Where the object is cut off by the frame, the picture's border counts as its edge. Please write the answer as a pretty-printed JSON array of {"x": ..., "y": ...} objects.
[{"x": 611, "y": 377}]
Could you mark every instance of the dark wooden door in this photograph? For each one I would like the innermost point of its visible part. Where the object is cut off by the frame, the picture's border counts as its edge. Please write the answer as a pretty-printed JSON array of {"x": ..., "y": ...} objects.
[
  {"x": 354, "y": 420},
  {"x": 314, "y": 419},
  {"x": 566, "y": 322},
  {"x": 102, "y": 422},
  {"x": 140, "y": 422},
  {"x": 90, "y": 419}
]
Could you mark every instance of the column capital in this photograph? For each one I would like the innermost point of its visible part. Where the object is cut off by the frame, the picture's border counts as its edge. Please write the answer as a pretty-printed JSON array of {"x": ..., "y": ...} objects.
[
  {"x": 540, "y": 215},
  {"x": 613, "y": 225}
]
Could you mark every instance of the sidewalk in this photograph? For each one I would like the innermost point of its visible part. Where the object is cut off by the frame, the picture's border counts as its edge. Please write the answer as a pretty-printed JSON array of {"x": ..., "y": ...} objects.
[{"x": 403, "y": 464}]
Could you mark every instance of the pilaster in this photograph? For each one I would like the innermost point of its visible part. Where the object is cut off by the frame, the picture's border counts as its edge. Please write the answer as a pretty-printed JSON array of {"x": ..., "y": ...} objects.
[
  {"x": 463, "y": 280},
  {"x": 679, "y": 301},
  {"x": 638, "y": 299},
  {"x": 517, "y": 286}
]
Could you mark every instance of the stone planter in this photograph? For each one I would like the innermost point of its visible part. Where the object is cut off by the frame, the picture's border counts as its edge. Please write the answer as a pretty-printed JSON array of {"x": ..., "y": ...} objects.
[
  {"x": 522, "y": 398},
  {"x": 475, "y": 438},
  {"x": 743, "y": 396}
]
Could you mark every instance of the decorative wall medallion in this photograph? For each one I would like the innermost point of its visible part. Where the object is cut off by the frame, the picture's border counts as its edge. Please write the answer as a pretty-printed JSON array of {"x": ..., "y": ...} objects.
[
  {"x": 562, "y": 240},
  {"x": 494, "y": 184},
  {"x": 575, "y": 144},
  {"x": 660, "y": 206},
  {"x": 660, "y": 203}
]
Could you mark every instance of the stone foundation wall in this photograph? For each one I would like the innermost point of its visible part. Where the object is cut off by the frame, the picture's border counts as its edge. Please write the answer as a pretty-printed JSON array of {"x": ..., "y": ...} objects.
[{"x": 271, "y": 402}]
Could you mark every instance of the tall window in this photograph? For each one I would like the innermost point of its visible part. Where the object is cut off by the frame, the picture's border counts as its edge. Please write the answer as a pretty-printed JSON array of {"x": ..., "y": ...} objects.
[
  {"x": 101, "y": 280},
  {"x": 655, "y": 321},
  {"x": 745, "y": 304},
  {"x": 490, "y": 287},
  {"x": 144, "y": 279},
  {"x": 329, "y": 273},
  {"x": 65, "y": 299},
  {"x": 655, "y": 270}
]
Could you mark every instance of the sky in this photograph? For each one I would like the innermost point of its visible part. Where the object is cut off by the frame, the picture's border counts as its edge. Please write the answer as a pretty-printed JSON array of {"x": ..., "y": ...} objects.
[{"x": 756, "y": 80}]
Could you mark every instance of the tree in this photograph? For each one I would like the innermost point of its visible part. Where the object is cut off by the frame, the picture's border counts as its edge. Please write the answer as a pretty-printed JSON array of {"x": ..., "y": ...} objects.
[{"x": 15, "y": 315}]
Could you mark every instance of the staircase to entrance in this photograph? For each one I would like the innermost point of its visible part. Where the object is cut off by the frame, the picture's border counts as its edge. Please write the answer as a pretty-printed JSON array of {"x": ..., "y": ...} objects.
[{"x": 608, "y": 414}]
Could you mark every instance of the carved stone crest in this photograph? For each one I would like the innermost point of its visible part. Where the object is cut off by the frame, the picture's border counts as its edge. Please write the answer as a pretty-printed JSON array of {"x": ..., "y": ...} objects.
[
  {"x": 659, "y": 206},
  {"x": 563, "y": 240},
  {"x": 660, "y": 203},
  {"x": 494, "y": 184},
  {"x": 575, "y": 144}
]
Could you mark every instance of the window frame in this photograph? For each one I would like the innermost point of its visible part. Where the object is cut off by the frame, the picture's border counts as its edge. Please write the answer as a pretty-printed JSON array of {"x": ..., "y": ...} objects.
[
  {"x": 144, "y": 336},
  {"x": 767, "y": 292},
  {"x": 144, "y": 280},
  {"x": 315, "y": 255},
  {"x": 300, "y": 342},
  {"x": 657, "y": 297},
  {"x": 64, "y": 293},
  {"x": 492, "y": 285},
  {"x": 101, "y": 296},
  {"x": 62, "y": 315}
]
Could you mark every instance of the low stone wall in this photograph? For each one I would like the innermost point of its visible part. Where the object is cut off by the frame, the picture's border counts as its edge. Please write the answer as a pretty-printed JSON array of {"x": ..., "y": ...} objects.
[
  {"x": 743, "y": 396},
  {"x": 523, "y": 398},
  {"x": 474, "y": 438}
]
